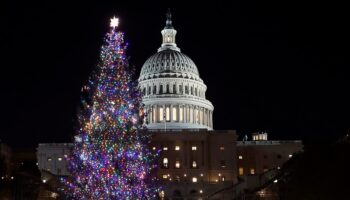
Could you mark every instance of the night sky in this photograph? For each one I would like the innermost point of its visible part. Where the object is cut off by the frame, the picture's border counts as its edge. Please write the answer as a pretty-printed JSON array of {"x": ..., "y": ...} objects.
[{"x": 276, "y": 66}]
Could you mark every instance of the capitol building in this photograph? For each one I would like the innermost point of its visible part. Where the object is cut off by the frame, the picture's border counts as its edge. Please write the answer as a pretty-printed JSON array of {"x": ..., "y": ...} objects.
[
  {"x": 174, "y": 93},
  {"x": 196, "y": 161}
]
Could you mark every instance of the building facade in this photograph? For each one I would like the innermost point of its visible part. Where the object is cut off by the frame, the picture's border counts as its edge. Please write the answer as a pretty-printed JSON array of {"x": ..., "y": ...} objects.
[
  {"x": 52, "y": 158},
  {"x": 261, "y": 155}
]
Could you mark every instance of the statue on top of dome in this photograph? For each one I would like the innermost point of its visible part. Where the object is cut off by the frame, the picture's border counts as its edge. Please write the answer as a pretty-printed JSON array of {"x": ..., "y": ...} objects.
[{"x": 169, "y": 24}]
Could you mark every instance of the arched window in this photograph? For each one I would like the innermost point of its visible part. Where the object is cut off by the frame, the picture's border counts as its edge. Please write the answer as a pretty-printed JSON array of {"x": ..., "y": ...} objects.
[
  {"x": 201, "y": 117},
  {"x": 174, "y": 113},
  {"x": 181, "y": 111},
  {"x": 167, "y": 89},
  {"x": 161, "y": 89},
  {"x": 167, "y": 110},
  {"x": 161, "y": 113},
  {"x": 194, "y": 164},
  {"x": 154, "y": 114},
  {"x": 177, "y": 164},
  {"x": 191, "y": 115},
  {"x": 165, "y": 163}
]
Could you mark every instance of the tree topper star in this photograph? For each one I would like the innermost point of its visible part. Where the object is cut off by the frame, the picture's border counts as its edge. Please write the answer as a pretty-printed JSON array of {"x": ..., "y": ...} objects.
[{"x": 114, "y": 22}]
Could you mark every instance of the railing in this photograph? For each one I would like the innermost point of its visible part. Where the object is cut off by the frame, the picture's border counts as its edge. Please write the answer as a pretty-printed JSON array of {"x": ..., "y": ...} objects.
[{"x": 268, "y": 142}]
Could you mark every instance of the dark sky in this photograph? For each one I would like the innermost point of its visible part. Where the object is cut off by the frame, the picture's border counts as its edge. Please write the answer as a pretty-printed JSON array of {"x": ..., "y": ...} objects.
[{"x": 272, "y": 66}]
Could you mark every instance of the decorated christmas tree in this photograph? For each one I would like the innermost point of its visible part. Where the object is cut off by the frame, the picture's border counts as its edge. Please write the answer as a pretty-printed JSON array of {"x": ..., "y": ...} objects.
[{"x": 110, "y": 158}]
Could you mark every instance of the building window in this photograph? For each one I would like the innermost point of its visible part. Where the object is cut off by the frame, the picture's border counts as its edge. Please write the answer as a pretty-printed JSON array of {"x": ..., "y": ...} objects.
[
  {"x": 196, "y": 114},
  {"x": 201, "y": 117},
  {"x": 168, "y": 39},
  {"x": 191, "y": 115},
  {"x": 161, "y": 113},
  {"x": 49, "y": 159},
  {"x": 194, "y": 179},
  {"x": 167, "y": 113},
  {"x": 174, "y": 89},
  {"x": 223, "y": 178},
  {"x": 223, "y": 163},
  {"x": 154, "y": 89},
  {"x": 165, "y": 148},
  {"x": 252, "y": 171},
  {"x": 177, "y": 164},
  {"x": 154, "y": 114},
  {"x": 165, "y": 176},
  {"x": 181, "y": 111},
  {"x": 177, "y": 148},
  {"x": 174, "y": 114},
  {"x": 165, "y": 163},
  {"x": 161, "y": 89},
  {"x": 180, "y": 88},
  {"x": 194, "y": 164},
  {"x": 186, "y": 89},
  {"x": 222, "y": 148},
  {"x": 194, "y": 148},
  {"x": 241, "y": 171},
  {"x": 59, "y": 159},
  {"x": 162, "y": 194},
  {"x": 167, "y": 89},
  {"x": 240, "y": 157}
]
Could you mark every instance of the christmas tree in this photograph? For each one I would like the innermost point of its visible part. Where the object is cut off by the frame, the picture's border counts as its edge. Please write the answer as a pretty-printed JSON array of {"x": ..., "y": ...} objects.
[{"x": 110, "y": 158}]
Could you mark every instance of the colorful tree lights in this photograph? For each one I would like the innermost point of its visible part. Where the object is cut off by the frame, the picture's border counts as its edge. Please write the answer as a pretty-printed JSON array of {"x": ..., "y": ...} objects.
[{"x": 110, "y": 158}]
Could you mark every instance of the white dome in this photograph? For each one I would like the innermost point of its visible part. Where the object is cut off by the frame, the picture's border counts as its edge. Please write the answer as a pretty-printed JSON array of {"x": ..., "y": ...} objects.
[
  {"x": 169, "y": 63},
  {"x": 173, "y": 92}
]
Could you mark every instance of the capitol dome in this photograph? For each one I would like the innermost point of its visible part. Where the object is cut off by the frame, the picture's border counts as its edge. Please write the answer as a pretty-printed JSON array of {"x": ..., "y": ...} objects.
[
  {"x": 173, "y": 92},
  {"x": 169, "y": 63}
]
